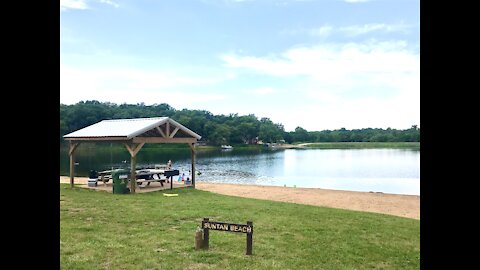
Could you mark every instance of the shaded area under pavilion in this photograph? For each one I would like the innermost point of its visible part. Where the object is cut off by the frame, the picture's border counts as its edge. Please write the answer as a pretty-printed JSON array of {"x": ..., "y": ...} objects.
[{"x": 134, "y": 134}]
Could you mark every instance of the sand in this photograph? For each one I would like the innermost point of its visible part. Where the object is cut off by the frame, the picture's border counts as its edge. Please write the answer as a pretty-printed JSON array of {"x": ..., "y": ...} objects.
[{"x": 391, "y": 204}]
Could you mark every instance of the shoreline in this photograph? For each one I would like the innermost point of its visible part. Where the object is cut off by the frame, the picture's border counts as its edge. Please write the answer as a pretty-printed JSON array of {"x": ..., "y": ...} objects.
[{"x": 385, "y": 203}]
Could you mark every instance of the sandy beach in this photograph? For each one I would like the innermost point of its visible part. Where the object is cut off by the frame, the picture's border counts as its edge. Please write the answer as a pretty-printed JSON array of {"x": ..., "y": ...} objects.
[{"x": 391, "y": 204}]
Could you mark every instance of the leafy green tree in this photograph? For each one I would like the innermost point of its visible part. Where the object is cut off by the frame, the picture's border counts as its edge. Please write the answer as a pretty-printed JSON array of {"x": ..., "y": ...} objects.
[
  {"x": 301, "y": 135},
  {"x": 270, "y": 132},
  {"x": 219, "y": 135},
  {"x": 221, "y": 129}
]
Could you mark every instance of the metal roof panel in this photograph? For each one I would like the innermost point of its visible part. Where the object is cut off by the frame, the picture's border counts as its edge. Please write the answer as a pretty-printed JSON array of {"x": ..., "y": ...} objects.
[{"x": 118, "y": 128}]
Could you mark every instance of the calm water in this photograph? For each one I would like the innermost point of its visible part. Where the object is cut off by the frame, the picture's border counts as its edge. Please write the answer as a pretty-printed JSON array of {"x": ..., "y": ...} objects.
[{"x": 378, "y": 170}]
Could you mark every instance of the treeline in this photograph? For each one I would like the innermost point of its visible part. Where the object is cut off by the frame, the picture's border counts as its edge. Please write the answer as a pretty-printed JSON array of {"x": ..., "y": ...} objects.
[{"x": 223, "y": 129}]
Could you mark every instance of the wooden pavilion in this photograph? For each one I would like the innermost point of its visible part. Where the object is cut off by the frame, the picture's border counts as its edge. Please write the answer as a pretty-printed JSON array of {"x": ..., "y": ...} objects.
[{"x": 133, "y": 133}]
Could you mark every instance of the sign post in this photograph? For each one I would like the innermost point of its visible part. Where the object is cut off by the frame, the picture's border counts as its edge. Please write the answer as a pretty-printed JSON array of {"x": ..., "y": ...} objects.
[
  {"x": 208, "y": 225},
  {"x": 170, "y": 174},
  {"x": 250, "y": 239},
  {"x": 206, "y": 233}
]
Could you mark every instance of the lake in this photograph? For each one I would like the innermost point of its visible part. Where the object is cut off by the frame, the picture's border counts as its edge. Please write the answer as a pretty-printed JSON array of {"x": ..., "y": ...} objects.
[{"x": 378, "y": 170}]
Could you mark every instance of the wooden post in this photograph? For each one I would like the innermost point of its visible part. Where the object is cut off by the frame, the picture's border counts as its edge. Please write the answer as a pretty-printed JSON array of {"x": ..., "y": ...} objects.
[
  {"x": 71, "y": 153},
  {"x": 250, "y": 239},
  {"x": 192, "y": 147},
  {"x": 206, "y": 235},
  {"x": 72, "y": 169},
  {"x": 133, "y": 173},
  {"x": 198, "y": 240},
  {"x": 133, "y": 150},
  {"x": 171, "y": 182}
]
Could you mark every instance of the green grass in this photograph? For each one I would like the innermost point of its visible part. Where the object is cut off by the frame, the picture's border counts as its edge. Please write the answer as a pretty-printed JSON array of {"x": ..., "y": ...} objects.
[
  {"x": 100, "y": 230},
  {"x": 352, "y": 145},
  {"x": 204, "y": 148}
]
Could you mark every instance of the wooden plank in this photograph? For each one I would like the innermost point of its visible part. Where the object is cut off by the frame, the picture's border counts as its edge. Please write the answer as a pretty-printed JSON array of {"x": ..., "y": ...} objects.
[
  {"x": 163, "y": 140},
  {"x": 250, "y": 239},
  {"x": 206, "y": 235},
  {"x": 174, "y": 132},
  {"x": 153, "y": 180},
  {"x": 71, "y": 153},
  {"x": 139, "y": 146},
  {"x": 161, "y": 132},
  {"x": 73, "y": 147},
  {"x": 228, "y": 227},
  {"x": 133, "y": 173},
  {"x": 168, "y": 129},
  {"x": 133, "y": 149},
  {"x": 208, "y": 225},
  {"x": 192, "y": 148},
  {"x": 129, "y": 148},
  {"x": 72, "y": 169}
]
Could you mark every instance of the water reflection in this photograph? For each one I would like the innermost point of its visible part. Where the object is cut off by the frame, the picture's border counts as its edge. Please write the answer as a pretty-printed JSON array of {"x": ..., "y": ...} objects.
[{"x": 377, "y": 170}]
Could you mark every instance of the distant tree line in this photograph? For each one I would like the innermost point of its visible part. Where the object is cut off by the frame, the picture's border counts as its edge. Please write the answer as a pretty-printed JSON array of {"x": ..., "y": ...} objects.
[{"x": 223, "y": 129}]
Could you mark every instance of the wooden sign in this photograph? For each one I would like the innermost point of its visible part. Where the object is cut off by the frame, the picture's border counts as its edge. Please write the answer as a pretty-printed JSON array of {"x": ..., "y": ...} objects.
[
  {"x": 227, "y": 227},
  {"x": 208, "y": 225}
]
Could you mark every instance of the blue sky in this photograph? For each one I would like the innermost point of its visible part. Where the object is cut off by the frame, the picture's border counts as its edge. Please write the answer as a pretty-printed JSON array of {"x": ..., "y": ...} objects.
[{"x": 317, "y": 64}]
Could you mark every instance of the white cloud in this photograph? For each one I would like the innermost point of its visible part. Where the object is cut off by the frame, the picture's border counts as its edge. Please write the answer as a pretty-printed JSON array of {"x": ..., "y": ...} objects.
[
  {"x": 230, "y": 75},
  {"x": 352, "y": 30},
  {"x": 323, "y": 110},
  {"x": 72, "y": 4},
  {"x": 353, "y": 85},
  {"x": 323, "y": 31},
  {"x": 109, "y": 2},
  {"x": 129, "y": 85},
  {"x": 362, "y": 29},
  {"x": 263, "y": 91},
  {"x": 335, "y": 61},
  {"x": 349, "y": 31},
  {"x": 82, "y": 4},
  {"x": 400, "y": 109},
  {"x": 356, "y": 30}
]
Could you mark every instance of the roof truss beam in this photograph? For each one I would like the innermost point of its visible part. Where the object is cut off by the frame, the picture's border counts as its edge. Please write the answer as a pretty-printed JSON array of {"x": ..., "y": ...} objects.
[
  {"x": 73, "y": 147},
  {"x": 133, "y": 149},
  {"x": 174, "y": 132},
  {"x": 163, "y": 140},
  {"x": 161, "y": 132}
]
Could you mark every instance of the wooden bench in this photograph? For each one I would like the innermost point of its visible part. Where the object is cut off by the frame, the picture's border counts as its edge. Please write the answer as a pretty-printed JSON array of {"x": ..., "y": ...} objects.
[{"x": 141, "y": 181}]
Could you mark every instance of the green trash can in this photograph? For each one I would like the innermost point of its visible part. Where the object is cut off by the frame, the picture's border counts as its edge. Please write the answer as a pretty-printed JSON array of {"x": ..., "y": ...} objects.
[{"x": 120, "y": 179}]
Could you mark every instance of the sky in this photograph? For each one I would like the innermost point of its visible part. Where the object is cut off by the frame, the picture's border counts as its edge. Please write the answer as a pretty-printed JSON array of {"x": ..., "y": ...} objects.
[{"x": 315, "y": 64}]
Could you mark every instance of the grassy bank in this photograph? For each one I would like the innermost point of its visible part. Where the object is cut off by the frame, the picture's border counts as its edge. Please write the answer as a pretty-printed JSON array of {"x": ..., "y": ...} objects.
[
  {"x": 100, "y": 230},
  {"x": 354, "y": 145}
]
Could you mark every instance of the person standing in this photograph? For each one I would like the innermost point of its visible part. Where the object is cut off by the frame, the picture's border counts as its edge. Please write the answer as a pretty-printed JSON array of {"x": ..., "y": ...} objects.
[{"x": 169, "y": 167}]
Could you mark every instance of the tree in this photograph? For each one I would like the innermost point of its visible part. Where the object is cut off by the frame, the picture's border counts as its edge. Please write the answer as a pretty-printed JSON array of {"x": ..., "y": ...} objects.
[
  {"x": 219, "y": 134},
  {"x": 270, "y": 132},
  {"x": 221, "y": 129},
  {"x": 301, "y": 135}
]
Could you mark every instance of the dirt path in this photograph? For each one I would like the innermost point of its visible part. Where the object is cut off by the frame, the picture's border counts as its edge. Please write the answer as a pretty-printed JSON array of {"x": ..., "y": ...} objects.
[{"x": 391, "y": 204}]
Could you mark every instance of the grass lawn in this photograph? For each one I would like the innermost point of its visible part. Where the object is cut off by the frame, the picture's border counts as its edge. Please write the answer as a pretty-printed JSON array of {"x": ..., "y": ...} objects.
[
  {"x": 100, "y": 230},
  {"x": 353, "y": 145}
]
